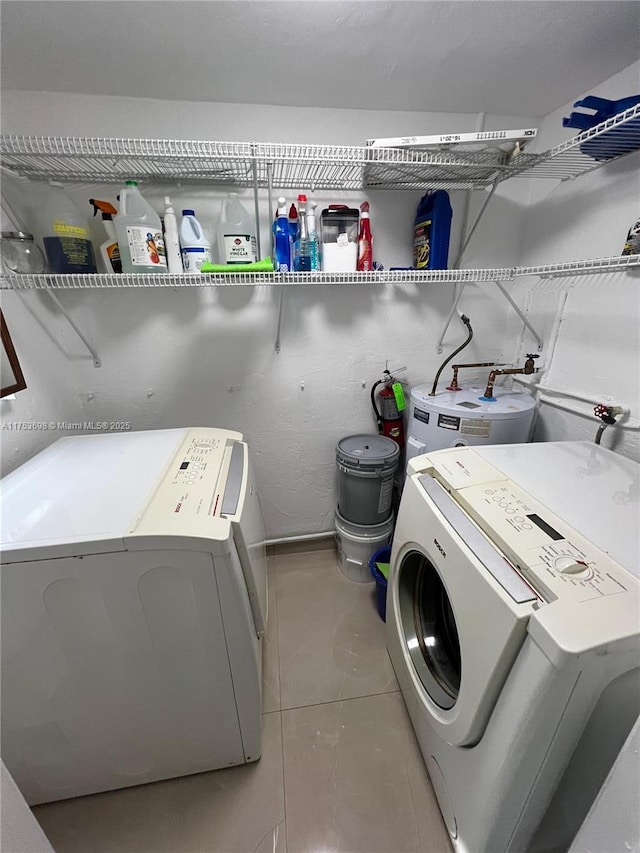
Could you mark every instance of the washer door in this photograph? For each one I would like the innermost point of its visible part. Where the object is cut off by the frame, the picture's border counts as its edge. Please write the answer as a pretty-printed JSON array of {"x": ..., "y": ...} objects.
[{"x": 429, "y": 628}]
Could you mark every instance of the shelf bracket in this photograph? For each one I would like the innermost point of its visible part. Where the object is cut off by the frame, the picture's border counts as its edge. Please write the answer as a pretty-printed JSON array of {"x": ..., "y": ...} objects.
[
  {"x": 96, "y": 358},
  {"x": 520, "y": 314}
]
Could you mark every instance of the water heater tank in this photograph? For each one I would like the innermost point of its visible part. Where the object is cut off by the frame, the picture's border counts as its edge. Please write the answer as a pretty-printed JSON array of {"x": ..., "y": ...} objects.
[{"x": 455, "y": 418}]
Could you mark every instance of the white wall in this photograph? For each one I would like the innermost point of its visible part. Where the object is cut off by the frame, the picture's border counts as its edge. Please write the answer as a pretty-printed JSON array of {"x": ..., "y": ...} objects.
[
  {"x": 206, "y": 357},
  {"x": 590, "y": 324}
]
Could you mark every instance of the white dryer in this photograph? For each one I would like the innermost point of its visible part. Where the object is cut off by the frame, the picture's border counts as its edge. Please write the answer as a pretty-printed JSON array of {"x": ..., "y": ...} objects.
[
  {"x": 133, "y": 606},
  {"x": 513, "y": 625}
]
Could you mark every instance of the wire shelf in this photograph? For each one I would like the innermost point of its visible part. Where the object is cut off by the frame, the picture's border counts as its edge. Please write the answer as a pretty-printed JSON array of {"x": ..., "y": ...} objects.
[
  {"x": 613, "y": 138},
  {"x": 291, "y": 166},
  {"x": 295, "y": 166},
  {"x": 126, "y": 280},
  {"x": 585, "y": 267}
]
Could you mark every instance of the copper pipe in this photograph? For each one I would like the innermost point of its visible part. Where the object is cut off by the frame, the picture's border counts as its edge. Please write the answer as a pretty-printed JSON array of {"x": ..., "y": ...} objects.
[
  {"x": 528, "y": 368},
  {"x": 454, "y": 382}
]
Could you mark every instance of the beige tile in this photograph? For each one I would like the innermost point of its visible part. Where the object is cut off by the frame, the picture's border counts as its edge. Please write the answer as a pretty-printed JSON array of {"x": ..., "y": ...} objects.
[
  {"x": 355, "y": 780},
  {"x": 270, "y": 663},
  {"x": 331, "y": 640},
  {"x": 237, "y": 810}
]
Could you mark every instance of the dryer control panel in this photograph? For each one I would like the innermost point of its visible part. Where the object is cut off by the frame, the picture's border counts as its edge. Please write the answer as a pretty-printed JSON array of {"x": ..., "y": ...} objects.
[
  {"x": 557, "y": 560},
  {"x": 205, "y": 473}
]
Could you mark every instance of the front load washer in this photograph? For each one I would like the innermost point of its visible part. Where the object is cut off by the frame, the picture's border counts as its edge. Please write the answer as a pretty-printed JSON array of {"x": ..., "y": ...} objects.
[
  {"x": 513, "y": 625},
  {"x": 133, "y": 606}
]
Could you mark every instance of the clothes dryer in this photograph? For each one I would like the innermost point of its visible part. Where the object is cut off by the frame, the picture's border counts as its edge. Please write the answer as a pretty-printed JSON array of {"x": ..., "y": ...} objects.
[
  {"x": 513, "y": 625},
  {"x": 133, "y": 607}
]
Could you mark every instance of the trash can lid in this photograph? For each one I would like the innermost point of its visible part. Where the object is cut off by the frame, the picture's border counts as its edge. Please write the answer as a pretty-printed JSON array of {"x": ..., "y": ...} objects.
[{"x": 367, "y": 450}]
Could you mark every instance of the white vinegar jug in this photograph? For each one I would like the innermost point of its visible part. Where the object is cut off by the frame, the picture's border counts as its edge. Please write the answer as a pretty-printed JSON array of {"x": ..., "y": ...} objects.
[{"x": 236, "y": 233}]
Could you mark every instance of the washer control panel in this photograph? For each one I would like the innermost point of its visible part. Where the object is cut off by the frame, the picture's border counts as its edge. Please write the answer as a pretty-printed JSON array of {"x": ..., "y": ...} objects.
[{"x": 552, "y": 556}]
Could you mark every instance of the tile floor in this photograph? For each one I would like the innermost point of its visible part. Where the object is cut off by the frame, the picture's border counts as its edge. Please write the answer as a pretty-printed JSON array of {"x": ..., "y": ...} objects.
[{"x": 341, "y": 771}]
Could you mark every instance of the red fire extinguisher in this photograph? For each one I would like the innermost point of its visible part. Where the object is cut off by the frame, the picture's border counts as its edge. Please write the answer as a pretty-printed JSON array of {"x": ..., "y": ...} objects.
[{"x": 388, "y": 416}]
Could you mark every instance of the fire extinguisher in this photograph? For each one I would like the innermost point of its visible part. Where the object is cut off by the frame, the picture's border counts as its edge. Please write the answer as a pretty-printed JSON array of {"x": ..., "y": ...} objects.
[{"x": 388, "y": 417}]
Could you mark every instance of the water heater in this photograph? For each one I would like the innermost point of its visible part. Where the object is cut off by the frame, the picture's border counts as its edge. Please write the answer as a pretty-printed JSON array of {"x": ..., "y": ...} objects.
[{"x": 456, "y": 418}]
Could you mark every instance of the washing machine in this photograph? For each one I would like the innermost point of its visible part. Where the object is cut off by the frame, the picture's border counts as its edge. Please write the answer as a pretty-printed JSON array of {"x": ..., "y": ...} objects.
[
  {"x": 133, "y": 609},
  {"x": 513, "y": 625}
]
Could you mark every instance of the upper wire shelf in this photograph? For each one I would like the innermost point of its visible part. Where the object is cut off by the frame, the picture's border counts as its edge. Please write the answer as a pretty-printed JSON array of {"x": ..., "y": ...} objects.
[
  {"x": 293, "y": 165},
  {"x": 288, "y": 166},
  {"x": 127, "y": 280}
]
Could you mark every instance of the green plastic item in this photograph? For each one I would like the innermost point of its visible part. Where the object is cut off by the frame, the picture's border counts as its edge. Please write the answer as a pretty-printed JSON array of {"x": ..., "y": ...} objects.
[
  {"x": 265, "y": 265},
  {"x": 383, "y": 568}
]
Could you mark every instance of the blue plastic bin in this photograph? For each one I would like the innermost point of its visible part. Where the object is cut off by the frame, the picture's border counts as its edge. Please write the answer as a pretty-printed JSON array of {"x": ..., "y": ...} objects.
[{"x": 382, "y": 555}]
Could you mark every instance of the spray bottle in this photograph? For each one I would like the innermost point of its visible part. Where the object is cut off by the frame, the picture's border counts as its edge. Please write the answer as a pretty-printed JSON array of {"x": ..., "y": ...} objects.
[
  {"x": 314, "y": 241},
  {"x": 282, "y": 239},
  {"x": 365, "y": 240},
  {"x": 302, "y": 256},
  {"x": 109, "y": 260}
]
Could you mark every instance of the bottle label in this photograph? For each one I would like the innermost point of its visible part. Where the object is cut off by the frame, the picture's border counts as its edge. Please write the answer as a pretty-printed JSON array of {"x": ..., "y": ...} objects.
[
  {"x": 239, "y": 249},
  {"x": 113, "y": 253},
  {"x": 145, "y": 247},
  {"x": 422, "y": 244},
  {"x": 64, "y": 229},
  {"x": 69, "y": 255},
  {"x": 194, "y": 256}
]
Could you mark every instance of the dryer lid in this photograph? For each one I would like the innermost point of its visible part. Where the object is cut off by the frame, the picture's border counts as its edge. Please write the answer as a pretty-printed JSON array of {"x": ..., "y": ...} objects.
[{"x": 81, "y": 491}]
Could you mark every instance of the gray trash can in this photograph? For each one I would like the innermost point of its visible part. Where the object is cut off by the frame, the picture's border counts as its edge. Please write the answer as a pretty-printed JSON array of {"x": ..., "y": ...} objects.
[{"x": 366, "y": 467}]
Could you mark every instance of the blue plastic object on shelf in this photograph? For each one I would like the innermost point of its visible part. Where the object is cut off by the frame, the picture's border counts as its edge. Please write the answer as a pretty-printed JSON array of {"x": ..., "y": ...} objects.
[
  {"x": 612, "y": 143},
  {"x": 432, "y": 230}
]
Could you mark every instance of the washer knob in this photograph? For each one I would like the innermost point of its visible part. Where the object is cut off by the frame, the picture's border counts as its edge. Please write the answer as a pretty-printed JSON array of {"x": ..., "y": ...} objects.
[{"x": 567, "y": 565}]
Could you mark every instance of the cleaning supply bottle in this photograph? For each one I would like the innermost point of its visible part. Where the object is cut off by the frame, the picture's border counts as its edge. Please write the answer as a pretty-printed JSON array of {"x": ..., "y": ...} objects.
[
  {"x": 172, "y": 238},
  {"x": 282, "y": 239},
  {"x": 109, "y": 256},
  {"x": 632, "y": 243},
  {"x": 196, "y": 248},
  {"x": 365, "y": 240},
  {"x": 65, "y": 233},
  {"x": 293, "y": 226},
  {"x": 314, "y": 240},
  {"x": 236, "y": 233},
  {"x": 139, "y": 233},
  {"x": 302, "y": 250},
  {"x": 432, "y": 230}
]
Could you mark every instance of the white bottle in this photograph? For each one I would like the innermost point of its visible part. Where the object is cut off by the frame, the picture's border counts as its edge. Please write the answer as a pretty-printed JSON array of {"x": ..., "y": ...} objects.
[
  {"x": 139, "y": 233},
  {"x": 236, "y": 234},
  {"x": 196, "y": 248},
  {"x": 171, "y": 238}
]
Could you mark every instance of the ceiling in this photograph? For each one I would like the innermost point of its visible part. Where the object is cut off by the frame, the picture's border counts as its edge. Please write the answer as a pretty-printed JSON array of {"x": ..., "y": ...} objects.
[{"x": 512, "y": 57}]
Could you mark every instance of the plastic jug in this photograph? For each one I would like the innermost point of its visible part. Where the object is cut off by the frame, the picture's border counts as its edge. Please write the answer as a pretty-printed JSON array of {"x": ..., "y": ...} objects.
[
  {"x": 65, "y": 233},
  {"x": 139, "y": 233},
  {"x": 196, "y": 248},
  {"x": 432, "y": 230},
  {"x": 236, "y": 234},
  {"x": 339, "y": 226}
]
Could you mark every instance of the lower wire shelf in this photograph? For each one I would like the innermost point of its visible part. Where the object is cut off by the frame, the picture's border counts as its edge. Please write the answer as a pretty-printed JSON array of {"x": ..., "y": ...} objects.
[{"x": 96, "y": 281}]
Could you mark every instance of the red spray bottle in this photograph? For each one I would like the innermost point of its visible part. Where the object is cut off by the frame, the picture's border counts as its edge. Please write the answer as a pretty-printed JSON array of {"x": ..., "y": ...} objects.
[{"x": 365, "y": 240}]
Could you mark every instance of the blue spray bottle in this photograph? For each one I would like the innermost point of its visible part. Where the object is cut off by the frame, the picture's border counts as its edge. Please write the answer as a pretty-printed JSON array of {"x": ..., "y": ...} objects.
[{"x": 282, "y": 240}]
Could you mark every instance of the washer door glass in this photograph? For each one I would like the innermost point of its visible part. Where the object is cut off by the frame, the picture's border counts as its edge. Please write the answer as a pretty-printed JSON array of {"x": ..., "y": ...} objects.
[{"x": 430, "y": 629}]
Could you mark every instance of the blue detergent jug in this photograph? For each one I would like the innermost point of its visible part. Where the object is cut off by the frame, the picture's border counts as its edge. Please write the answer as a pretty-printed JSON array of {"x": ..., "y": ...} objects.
[
  {"x": 432, "y": 231},
  {"x": 612, "y": 143}
]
